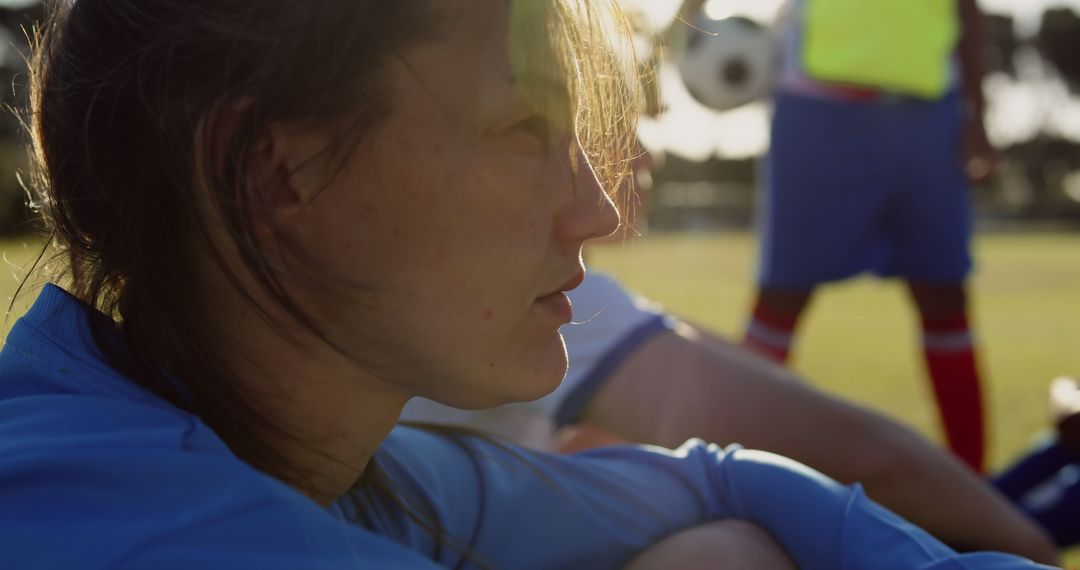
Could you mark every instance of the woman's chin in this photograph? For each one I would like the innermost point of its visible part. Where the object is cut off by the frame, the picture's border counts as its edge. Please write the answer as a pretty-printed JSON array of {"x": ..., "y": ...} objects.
[
  {"x": 551, "y": 369},
  {"x": 536, "y": 379},
  {"x": 541, "y": 387}
]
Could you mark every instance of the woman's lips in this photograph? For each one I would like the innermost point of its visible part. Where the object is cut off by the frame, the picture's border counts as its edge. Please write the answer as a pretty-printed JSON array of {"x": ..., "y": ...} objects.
[
  {"x": 573, "y": 282},
  {"x": 558, "y": 305}
]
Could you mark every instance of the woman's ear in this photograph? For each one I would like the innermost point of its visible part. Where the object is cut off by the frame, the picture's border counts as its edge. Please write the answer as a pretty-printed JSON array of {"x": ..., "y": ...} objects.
[
  {"x": 279, "y": 172},
  {"x": 295, "y": 165}
]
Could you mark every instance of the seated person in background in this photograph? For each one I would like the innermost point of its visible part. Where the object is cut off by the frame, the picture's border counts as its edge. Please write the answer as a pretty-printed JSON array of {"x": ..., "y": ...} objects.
[{"x": 1045, "y": 483}]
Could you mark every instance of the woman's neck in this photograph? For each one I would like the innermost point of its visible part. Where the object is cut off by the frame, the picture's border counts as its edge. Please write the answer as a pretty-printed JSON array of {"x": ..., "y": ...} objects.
[
  {"x": 333, "y": 417},
  {"x": 329, "y": 414}
]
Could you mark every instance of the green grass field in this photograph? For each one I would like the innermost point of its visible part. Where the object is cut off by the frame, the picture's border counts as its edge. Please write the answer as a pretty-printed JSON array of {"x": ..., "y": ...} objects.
[{"x": 859, "y": 339}]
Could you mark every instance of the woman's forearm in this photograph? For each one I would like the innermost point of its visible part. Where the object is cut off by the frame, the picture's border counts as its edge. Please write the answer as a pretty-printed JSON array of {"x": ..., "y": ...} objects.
[
  {"x": 937, "y": 492},
  {"x": 690, "y": 384}
]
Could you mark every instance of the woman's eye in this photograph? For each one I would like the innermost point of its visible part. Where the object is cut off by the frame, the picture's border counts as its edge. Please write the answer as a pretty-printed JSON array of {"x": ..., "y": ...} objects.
[{"x": 537, "y": 127}]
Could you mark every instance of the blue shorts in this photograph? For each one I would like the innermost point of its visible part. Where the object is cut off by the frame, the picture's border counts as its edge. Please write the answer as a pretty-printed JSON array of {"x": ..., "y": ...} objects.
[{"x": 853, "y": 187}]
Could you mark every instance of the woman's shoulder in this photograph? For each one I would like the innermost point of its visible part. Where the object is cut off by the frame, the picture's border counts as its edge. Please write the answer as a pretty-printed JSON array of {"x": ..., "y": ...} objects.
[
  {"x": 97, "y": 473},
  {"x": 94, "y": 482},
  {"x": 59, "y": 398}
]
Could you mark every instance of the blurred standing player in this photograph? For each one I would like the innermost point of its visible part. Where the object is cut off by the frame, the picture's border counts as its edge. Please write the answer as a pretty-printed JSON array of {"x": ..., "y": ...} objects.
[{"x": 876, "y": 132}]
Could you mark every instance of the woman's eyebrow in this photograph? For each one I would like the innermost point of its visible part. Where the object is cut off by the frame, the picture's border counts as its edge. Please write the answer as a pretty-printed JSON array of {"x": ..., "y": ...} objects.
[
  {"x": 546, "y": 84},
  {"x": 544, "y": 92}
]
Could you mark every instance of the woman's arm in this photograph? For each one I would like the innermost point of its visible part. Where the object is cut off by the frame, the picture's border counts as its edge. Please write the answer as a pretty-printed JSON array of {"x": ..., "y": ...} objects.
[
  {"x": 979, "y": 155},
  {"x": 600, "y": 508},
  {"x": 691, "y": 384}
]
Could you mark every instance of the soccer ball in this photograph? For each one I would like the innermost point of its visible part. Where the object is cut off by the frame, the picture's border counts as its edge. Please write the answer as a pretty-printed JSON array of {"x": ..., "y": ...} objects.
[{"x": 728, "y": 62}]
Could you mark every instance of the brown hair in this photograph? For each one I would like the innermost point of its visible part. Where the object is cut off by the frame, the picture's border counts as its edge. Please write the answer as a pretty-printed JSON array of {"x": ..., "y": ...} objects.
[{"x": 119, "y": 90}]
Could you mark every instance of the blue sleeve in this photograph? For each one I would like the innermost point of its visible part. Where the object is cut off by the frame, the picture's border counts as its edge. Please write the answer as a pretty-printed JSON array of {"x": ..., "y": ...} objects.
[{"x": 522, "y": 510}]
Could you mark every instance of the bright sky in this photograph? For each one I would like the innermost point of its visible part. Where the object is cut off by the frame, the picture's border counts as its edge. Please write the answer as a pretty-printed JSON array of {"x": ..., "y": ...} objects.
[
  {"x": 695, "y": 132},
  {"x": 692, "y": 131}
]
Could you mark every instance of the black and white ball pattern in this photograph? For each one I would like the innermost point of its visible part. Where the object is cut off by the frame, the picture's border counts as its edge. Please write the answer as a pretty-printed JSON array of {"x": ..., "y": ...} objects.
[{"x": 728, "y": 62}]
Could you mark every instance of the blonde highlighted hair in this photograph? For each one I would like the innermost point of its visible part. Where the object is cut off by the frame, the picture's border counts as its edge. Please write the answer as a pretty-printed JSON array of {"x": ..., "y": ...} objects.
[{"x": 587, "y": 47}]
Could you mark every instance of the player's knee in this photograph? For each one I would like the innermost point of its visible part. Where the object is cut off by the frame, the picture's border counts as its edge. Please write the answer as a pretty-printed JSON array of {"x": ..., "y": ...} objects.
[
  {"x": 783, "y": 302},
  {"x": 721, "y": 544},
  {"x": 939, "y": 300}
]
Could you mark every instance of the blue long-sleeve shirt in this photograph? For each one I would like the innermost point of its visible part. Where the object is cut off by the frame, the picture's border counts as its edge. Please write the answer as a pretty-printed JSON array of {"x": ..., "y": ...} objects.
[{"x": 96, "y": 472}]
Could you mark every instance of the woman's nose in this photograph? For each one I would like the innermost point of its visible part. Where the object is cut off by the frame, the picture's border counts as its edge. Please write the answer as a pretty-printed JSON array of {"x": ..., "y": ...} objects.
[{"x": 592, "y": 214}]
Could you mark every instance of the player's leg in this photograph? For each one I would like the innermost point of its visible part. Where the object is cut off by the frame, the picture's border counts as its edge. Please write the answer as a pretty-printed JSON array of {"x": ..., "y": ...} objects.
[
  {"x": 1057, "y": 510},
  {"x": 1045, "y": 483},
  {"x": 722, "y": 544},
  {"x": 824, "y": 189},
  {"x": 931, "y": 224},
  {"x": 950, "y": 354},
  {"x": 771, "y": 330},
  {"x": 1040, "y": 465}
]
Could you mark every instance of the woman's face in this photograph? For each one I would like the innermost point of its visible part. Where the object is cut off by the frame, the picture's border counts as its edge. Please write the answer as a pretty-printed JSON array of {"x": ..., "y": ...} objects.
[{"x": 457, "y": 223}]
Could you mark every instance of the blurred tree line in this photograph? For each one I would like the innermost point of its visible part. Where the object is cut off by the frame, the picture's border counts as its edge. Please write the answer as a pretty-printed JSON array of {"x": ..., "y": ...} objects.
[
  {"x": 1038, "y": 179},
  {"x": 1040, "y": 176}
]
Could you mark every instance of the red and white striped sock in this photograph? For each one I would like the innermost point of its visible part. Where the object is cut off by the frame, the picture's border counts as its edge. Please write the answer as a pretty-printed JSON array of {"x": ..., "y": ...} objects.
[
  {"x": 952, "y": 365},
  {"x": 770, "y": 334}
]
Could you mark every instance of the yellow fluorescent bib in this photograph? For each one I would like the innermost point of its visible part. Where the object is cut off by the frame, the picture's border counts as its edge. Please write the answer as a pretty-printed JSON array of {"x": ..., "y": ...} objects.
[{"x": 903, "y": 46}]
